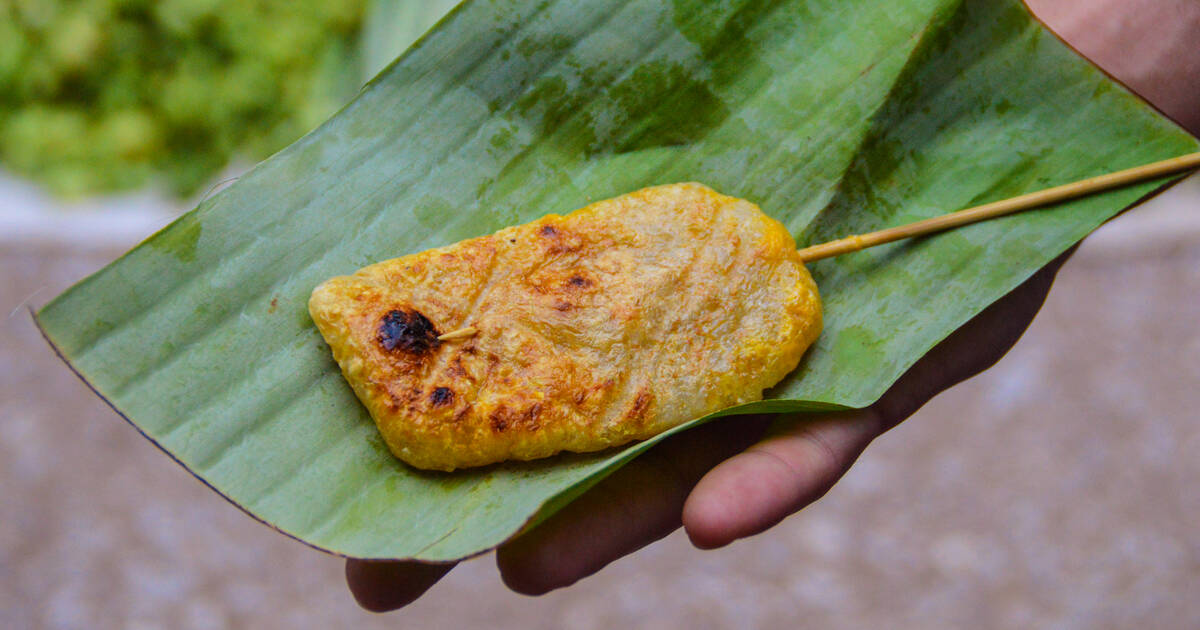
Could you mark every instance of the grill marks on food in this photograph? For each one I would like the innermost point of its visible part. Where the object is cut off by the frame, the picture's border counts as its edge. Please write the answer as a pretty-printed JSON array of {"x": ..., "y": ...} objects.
[
  {"x": 503, "y": 419},
  {"x": 408, "y": 331},
  {"x": 558, "y": 240},
  {"x": 441, "y": 397},
  {"x": 637, "y": 411}
]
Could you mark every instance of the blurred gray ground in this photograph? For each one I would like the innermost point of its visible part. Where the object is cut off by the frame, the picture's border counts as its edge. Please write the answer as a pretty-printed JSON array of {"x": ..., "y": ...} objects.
[{"x": 1056, "y": 490}]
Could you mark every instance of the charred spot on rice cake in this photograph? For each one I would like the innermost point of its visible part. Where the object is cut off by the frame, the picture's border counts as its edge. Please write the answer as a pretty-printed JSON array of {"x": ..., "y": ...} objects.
[
  {"x": 441, "y": 396},
  {"x": 407, "y": 330}
]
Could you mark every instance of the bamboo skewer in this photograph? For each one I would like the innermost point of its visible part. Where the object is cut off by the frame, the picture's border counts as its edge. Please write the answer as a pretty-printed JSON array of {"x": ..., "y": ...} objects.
[
  {"x": 1000, "y": 208},
  {"x": 1038, "y": 199},
  {"x": 469, "y": 331}
]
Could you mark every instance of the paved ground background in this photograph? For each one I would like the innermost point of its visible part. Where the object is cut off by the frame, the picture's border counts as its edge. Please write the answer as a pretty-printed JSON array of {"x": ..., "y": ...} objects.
[{"x": 1056, "y": 490}]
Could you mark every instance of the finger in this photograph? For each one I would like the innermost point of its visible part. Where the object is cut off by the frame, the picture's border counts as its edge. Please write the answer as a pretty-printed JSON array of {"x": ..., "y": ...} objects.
[
  {"x": 380, "y": 586},
  {"x": 755, "y": 490},
  {"x": 633, "y": 507}
]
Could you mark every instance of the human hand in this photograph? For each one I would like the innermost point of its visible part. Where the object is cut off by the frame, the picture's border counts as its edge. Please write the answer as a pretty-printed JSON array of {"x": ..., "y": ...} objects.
[
  {"x": 729, "y": 479},
  {"x": 725, "y": 480},
  {"x": 1149, "y": 45}
]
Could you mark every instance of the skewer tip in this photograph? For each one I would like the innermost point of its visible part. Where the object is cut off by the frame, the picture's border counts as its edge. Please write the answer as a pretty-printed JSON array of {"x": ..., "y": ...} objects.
[{"x": 461, "y": 333}]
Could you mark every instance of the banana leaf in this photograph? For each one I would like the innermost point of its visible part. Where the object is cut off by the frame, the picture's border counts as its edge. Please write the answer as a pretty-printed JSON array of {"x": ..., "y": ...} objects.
[
  {"x": 835, "y": 116},
  {"x": 391, "y": 26}
]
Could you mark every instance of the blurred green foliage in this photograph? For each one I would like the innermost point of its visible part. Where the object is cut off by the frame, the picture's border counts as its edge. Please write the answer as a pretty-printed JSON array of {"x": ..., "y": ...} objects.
[{"x": 103, "y": 95}]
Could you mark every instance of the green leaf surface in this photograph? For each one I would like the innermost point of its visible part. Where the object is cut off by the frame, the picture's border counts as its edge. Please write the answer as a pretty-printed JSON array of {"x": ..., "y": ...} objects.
[
  {"x": 836, "y": 117},
  {"x": 391, "y": 26}
]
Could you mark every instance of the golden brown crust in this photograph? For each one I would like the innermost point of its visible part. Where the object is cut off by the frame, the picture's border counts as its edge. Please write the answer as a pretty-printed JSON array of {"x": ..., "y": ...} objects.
[{"x": 610, "y": 324}]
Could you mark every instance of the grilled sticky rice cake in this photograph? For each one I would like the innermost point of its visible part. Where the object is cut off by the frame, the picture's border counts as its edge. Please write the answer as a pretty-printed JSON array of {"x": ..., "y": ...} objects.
[{"x": 610, "y": 324}]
